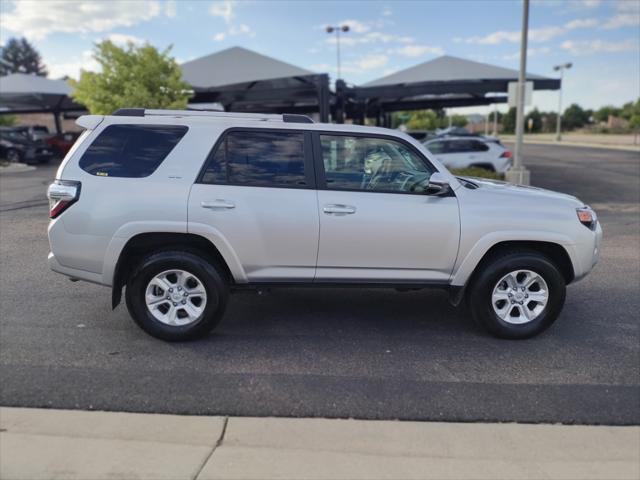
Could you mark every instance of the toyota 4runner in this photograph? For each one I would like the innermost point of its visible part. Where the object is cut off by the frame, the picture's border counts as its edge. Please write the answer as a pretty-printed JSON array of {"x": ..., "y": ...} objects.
[{"x": 181, "y": 208}]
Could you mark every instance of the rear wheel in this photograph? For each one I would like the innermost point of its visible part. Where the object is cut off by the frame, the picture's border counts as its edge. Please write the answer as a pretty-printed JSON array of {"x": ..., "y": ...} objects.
[
  {"x": 175, "y": 296},
  {"x": 13, "y": 156},
  {"x": 517, "y": 295}
]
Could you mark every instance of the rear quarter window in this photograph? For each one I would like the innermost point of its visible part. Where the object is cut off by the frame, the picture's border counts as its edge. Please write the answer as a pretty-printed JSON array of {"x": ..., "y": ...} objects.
[{"x": 133, "y": 151}]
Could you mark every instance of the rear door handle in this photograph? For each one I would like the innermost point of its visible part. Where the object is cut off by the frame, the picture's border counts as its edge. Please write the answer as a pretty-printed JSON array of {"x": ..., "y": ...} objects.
[
  {"x": 219, "y": 204},
  {"x": 339, "y": 209}
]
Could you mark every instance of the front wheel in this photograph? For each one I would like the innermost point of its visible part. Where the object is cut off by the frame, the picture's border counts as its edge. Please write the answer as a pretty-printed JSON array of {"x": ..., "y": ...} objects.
[
  {"x": 176, "y": 295},
  {"x": 517, "y": 295}
]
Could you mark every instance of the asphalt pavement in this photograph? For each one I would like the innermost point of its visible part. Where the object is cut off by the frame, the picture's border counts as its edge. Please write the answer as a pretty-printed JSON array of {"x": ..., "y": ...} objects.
[{"x": 366, "y": 353}]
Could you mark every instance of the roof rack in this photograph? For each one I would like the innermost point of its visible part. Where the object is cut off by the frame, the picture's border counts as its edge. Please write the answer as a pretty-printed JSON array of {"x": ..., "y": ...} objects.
[{"x": 261, "y": 117}]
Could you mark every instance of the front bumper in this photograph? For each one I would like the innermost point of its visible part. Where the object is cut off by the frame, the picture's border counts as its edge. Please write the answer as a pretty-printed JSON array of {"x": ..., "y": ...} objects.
[{"x": 587, "y": 254}]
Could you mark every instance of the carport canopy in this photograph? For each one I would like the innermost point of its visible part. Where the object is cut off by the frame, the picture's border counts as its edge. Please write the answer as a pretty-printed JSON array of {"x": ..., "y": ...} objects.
[
  {"x": 443, "y": 82},
  {"x": 246, "y": 81},
  {"x": 24, "y": 93}
]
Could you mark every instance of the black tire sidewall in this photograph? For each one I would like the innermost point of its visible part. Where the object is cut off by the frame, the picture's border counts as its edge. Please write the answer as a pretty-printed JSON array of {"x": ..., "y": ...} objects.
[
  {"x": 482, "y": 289},
  {"x": 215, "y": 287}
]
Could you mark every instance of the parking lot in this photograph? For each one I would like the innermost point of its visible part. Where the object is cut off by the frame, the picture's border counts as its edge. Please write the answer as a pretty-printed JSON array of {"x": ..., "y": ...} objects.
[{"x": 334, "y": 352}]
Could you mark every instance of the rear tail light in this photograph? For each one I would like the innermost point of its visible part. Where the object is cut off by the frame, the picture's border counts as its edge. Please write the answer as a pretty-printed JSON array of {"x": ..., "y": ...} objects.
[
  {"x": 62, "y": 194},
  {"x": 506, "y": 154}
]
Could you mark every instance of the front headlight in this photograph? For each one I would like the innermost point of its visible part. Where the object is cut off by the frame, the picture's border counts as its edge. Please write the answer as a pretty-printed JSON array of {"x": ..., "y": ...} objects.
[{"x": 587, "y": 217}]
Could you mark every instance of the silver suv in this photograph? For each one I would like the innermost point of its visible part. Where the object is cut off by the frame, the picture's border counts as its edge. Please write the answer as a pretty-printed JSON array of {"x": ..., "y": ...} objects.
[{"x": 181, "y": 208}]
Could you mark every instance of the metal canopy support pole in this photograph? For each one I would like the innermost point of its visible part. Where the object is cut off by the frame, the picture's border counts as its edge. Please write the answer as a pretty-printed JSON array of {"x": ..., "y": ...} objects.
[
  {"x": 323, "y": 98},
  {"x": 518, "y": 174},
  {"x": 56, "y": 119}
]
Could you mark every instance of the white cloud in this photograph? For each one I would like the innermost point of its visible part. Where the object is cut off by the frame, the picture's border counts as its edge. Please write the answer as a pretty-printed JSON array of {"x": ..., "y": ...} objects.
[
  {"x": 543, "y": 34},
  {"x": 531, "y": 52},
  {"x": 355, "y": 26},
  {"x": 122, "y": 39},
  {"x": 418, "y": 50},
  {"x": 218, "y": 37},
  {"x": 37, "y": 19},
  {"x": 170, "y": 8},
  {"x": 223, "y": 9},
  {"x": 586, "y": 47},
  {"x": 368, "y": 38},
  {"x": 71, "y": 68},
  {"x": 368, "y": 62},
  {"x": 240, "y": 30},
  {"x": 371, "y": 62},
  {"x": 622, "y": 20},
  {"x": 387, "y": 12},
  {"x": 581, "y": 23}
]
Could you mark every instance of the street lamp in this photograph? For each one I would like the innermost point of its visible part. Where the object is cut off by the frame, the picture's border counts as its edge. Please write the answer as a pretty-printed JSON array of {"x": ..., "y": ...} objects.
[
  {"x": 338, "y": 29},
  {"x": 561, "y": 69}
]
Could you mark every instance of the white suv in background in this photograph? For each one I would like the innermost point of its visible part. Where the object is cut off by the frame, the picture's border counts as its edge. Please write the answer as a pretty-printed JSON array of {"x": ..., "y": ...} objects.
[
  {"x": 467, "y": 151},
  {"x": 180, "y": 208}
]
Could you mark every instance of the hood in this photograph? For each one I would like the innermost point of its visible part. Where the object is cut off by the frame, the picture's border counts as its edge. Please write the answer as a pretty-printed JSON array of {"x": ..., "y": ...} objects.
[{"x": 522, "y": 190}]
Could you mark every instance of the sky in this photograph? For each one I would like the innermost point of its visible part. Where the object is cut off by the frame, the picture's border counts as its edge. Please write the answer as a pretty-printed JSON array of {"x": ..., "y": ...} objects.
[{"x": 600, "y": 37}]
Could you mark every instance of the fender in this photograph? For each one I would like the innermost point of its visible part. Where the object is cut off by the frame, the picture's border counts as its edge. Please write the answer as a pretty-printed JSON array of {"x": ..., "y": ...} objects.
[
  {"x": 130, "y": 230},
  {"x": 466, "y": 264}
]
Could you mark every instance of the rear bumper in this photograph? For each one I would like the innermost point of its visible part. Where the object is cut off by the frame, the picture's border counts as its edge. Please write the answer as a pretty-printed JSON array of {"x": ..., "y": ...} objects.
[{"x": 73, "y": 273}]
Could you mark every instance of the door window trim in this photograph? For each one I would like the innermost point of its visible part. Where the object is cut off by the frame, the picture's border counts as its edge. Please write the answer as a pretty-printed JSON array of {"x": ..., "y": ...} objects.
[
  {"x": 309, "y": 166},
  {"x": 321, "y": 183}
]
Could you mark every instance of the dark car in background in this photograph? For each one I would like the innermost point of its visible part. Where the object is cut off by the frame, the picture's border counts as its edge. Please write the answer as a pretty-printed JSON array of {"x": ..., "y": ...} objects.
[
  {"x": 24, "y": 144},
  {"x": 62, "y": 142}
]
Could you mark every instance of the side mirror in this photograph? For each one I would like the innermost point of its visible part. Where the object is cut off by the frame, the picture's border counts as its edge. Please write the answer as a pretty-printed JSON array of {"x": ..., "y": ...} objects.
[{"x": 438, "y": 185}]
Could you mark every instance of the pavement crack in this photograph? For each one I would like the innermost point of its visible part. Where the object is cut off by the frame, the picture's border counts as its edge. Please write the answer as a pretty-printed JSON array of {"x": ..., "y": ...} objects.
[{"x": 215, "y": 447}]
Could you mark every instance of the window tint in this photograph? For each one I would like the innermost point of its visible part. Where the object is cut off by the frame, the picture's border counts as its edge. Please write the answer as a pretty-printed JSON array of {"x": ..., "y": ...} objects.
[
  {"x": 130, "y": 150},
  {"x": 479, "y": 146},
  {"x": 436, "y": 147},
  {"x": 359, "y": 163},
  {"x": 273, "y": 159}
]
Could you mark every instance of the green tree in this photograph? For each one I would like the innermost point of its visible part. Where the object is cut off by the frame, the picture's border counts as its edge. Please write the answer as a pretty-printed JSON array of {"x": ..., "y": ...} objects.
[
  {"x": 631, "y": 111},
  {"x": 8, "y": 120},
  {"x": 602, "y": 114},
  {"x": 423, "y": 120},
  {"x": 456, "y": 121},
  {"x": 131, "y": 77},
  {"x": 574, "y": 117},
  {"x": 19, "y": 56},
  {"x": 549, "y": 120},
  {"x": 509, "y": 121}
]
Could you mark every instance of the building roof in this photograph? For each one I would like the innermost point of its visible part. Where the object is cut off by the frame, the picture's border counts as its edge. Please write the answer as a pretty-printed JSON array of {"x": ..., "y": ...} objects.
[
  {"x": 22, "y": 83},
  {"x": 447, "y": 69},
  {"x": 236, "y": 65}
]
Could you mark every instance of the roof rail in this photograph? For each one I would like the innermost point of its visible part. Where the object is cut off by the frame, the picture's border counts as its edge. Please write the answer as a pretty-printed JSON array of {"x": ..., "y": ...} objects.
[{"x": 264, "y": 117}]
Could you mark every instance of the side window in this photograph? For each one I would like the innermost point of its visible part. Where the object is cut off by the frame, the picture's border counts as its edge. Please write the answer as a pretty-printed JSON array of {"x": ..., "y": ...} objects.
[
  {"x": 437, "y": 147},
  {"x": 130, "y": 150},
  {"x": 458, "y": 146},
  {"x": 479, "y": 146},
  {"x": 360, "y": 163},
  {"x": 252, "y": 158}
]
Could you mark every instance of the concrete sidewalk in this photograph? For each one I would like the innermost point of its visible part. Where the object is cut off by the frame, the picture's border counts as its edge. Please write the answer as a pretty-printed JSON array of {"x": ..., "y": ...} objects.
[
  {"x": 57, "y": 444},
  {"x": 610, "y": 142}
]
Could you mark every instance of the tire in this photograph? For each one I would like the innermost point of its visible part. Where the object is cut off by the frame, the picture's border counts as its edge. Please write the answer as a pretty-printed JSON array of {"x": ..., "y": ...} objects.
[
  {"x": 166, "y": 323},
  {"x": 13, "y": 156},
  {"x": 517, "y": 321}
]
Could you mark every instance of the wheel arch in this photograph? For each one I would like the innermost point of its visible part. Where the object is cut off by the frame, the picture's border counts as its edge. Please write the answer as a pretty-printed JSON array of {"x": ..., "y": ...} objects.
[
  {"x": 142, "y": 244},
  {"x": 556, "y": 251}
]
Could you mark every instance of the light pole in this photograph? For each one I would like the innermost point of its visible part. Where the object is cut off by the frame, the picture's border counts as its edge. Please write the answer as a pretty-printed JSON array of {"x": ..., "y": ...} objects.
[
  {"x": 517, "y": 173},
  {"x": 338, "y": 29},
  {"x": 561, "y": 69}
]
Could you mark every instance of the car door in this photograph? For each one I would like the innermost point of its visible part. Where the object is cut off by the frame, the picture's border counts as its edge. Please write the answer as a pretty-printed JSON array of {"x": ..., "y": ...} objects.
[
  {"x": 376, "y": 222},
  {"x": 256, "y": 196}
]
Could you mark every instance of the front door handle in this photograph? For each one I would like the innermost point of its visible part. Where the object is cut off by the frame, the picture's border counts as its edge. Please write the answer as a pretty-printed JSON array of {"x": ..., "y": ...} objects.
[
  {"x": 219, "y": 204},
  {"x": 339, "y": 209}
]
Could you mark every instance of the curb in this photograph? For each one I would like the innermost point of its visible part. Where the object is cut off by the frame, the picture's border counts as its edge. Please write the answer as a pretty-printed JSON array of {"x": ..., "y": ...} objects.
[{"x": 16, "y": 168}]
